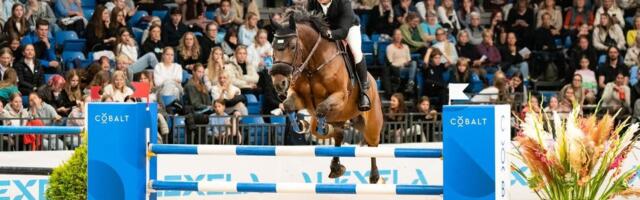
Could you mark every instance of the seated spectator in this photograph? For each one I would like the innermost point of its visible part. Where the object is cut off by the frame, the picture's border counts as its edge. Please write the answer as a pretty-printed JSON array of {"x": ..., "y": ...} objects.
[
  {"x": 554, "y": 105},
  {"x": 168, "y": 75},
  {"x": 36, "y": 10},
  {"x": 14, "y": 45},
  {"x": 490, "y": 52},
  {"x": 154, "y": 44},
  {"x": 608, "y": 34},
  {"x": 413, "y": 35},
  {"x": 424, "y": 7},
  {"x": 247, "y": 32},
  {"x": 631, "y": 58},
  {"x": 447, "y": 16},
  {"x": 568, "y": 100},
  {"x": 495, "y": 93},
  {"x": 126, "y": 46},
  {"x": 215, "y": 67},
  {"x": 431, "y": 24},
  {"x": 445, "y": 46},
  {"x": 515, "y": 88},
  {"x": 402, "y": 10},
  {"x": 15, "y": 111},
  {"x": 77, "y": 118},
  {"x": 401, "y": 67},
  {"x": 17, "y": 26},
  {"x": 147, "y": 77},
  {"x": 261, "y": 51},
  {"x": 6, "y": 60},
  {"x": 512, "y": 60},
  {"x": 434, "y": 84},
  {"x": 475, "y": 30},
  {"x": 174, "y": 29},
  {"x": 466, "y": 8},
  {"x": 188, "y": 51},
  {"x": 118, "y": 20},
  {"x": 555, "y": 14},
  {"x": 383, "y": 20},
  {"x": 545, "y": 34},
  {"x": 117, "y": 89},
  {"x": 230, "y": 42},
  {"x": 632, "y": 34},
  {"x": 72, "y": 16},
  {"x": 194, "y": 14},
  {"x": 53, "y": 93},
  {"x": 72, "y": 88},
  {"x": 425, "y": 114},
  {"x": 45, "y": 48},
  {"x": 29, "y": 70},
  {"x": 466, "y": 49},
  {"x": 617, "y": 94},
  {"x": 230, "y": 94},
  {"x": 396, "y": 113},
  {"x": 222, "y": 125},
  {"x": 589, "y": 83},
  {"x": 101, "y": 80},
  {"x": 463, "y": 74},
  {"x": 225, "y": 16},
  {"x": 155, "y": 21},
  {"x": 520, "y": 20},
  {"x": 208, "y": 41},
  {"x": 99, "y": 37},
  {"x": 576, "y": 16},
  {"x": 128, "y": 6},
  {"x": 578, "y": 93},
  {"x": 498, "y": 26},
  {"x": 242, "y": 8},
  {"x": 47, "y": 114},
  {"x": 242, "y": 73},
  {"x": 122, "y": 64},
  {"x": 582, "y": 49},
  {"x": 8, "y": 85},
  {"x": 196, "y": 90},
  {"x": 611, "y": 67},
  {"x": 611, "y": 9}
]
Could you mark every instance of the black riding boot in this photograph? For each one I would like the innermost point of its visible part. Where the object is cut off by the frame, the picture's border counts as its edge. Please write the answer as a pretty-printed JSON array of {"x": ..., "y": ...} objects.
[{"x": 364, "y": 104}]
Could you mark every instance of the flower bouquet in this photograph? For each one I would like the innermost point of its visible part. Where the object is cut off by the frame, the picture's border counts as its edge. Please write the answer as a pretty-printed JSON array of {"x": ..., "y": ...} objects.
[{"x": 576, "y": 158}]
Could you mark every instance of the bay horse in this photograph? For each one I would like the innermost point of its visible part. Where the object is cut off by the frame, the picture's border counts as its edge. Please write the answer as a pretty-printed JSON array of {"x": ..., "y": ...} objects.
[{"x": 310, "y": 72}]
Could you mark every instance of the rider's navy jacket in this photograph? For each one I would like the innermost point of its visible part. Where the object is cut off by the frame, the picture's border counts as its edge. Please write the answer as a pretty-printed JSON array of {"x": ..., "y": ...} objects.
[{"x": 340, "y": 17}]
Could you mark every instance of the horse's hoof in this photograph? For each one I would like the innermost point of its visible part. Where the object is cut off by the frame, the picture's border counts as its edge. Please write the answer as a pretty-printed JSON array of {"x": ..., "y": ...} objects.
[
  {"x": 376, "y": 180},
  {"x": 335, "y": 173}
]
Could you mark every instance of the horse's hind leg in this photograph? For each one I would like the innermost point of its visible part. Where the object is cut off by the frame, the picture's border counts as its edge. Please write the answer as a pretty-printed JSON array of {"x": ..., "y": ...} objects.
[{"x": 337, "y": 169}]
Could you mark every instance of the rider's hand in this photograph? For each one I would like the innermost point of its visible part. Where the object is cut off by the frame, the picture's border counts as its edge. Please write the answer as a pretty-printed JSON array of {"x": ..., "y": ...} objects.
[{"x": 326, "y": 34}]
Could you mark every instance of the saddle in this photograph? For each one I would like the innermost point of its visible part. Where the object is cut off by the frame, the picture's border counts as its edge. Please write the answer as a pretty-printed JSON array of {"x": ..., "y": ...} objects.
[{"x": 350, "y": 64}]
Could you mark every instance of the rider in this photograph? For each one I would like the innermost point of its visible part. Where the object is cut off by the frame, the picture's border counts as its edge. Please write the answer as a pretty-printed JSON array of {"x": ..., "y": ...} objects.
[{"x": 345, "y": 24}]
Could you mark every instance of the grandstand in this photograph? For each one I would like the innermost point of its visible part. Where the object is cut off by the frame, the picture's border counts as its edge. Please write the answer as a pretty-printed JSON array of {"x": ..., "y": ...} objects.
[{"x": 57, "y": 55}]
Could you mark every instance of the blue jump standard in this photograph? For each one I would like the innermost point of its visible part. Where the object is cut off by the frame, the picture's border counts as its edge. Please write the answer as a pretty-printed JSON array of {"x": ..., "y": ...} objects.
[
  {"x": 49, "y": 130},
  {"x": 318, "y": 151},
  {"x": 319, "y": 188}
]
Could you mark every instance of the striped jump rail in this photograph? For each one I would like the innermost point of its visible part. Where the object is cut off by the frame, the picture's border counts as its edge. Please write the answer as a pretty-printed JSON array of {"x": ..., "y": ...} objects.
[
  {"x": 307, "y": 188},
  {"x": 43, "y": 130},
  {"x": 303, "y": 151}
]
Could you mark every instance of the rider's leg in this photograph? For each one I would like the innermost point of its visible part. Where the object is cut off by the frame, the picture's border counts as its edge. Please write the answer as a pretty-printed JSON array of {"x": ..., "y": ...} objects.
[{"x": 355, "y": 42}]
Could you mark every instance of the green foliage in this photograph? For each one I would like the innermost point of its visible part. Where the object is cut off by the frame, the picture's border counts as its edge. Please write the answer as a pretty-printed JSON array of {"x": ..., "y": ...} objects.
[{"x": 69, "y": 180}]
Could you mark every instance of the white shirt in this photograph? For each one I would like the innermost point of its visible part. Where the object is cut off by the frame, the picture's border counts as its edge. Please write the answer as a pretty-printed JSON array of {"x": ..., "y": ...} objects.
[
  {"x": 30, "y": 65},
  {"x": 117, "y": 95},
  {"x": 162, "y": 73},
  {"x": 129, "y": 51},
  {"x": 325, "y": 7}
]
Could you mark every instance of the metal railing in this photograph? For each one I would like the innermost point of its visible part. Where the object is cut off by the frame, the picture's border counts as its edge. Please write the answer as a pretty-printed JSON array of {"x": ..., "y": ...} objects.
[{"x": 32, "y": 142}]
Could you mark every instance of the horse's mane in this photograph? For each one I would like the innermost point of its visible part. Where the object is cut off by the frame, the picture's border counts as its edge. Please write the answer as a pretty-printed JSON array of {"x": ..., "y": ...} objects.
[{"x": 314, "y": 19}]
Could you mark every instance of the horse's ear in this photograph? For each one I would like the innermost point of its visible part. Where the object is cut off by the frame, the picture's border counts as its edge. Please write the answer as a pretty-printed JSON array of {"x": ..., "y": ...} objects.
[
  {"x": 275, "y": 24},
  {"x": 292, "y": 23}
]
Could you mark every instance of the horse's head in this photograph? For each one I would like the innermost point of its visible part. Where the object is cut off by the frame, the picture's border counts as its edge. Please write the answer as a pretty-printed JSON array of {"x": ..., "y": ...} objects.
[
  {"x": 285, "y": 45},
  {"x": 293, "y": 46}
]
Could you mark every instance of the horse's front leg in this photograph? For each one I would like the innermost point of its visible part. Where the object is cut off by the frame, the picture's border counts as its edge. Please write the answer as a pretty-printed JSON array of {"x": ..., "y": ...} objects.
[
  {"x": 333, "y": 103},
  {"x": 291, "y": 104},
  {"x": 337, "y": 169}
]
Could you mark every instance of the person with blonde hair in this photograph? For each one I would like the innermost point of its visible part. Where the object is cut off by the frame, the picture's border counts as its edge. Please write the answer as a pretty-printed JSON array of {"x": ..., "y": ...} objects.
[
  {"x": 188, "y": 51},
  {"x": 118, "y": 89},
  {"x": 215, "y": 67},
  {"x": 247, "y": 32},
  {"x": 243, "y": 72},
  {"x": 233, "y": 98},
  {"x": 260, "y": 51}
]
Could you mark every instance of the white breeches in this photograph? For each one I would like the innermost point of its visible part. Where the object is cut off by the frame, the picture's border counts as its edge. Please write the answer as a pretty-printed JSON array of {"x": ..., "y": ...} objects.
[{"x": 354, "y": 39}]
